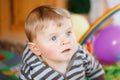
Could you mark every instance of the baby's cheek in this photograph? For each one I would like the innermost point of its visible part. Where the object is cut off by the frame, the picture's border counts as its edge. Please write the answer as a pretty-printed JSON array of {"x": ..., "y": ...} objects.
[{"x": 51, "y": 51}]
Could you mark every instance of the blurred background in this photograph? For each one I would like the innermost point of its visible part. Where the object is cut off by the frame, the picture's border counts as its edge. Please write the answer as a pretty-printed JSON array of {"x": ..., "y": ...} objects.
[{"x": 84, "y": 13}]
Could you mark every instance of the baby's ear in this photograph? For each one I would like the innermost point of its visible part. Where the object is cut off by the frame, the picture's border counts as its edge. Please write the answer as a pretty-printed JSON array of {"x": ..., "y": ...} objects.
[{"x": 33, "y": 47}]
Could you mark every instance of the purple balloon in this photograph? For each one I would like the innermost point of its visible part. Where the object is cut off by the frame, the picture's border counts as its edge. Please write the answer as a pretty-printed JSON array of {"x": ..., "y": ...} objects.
[{"x": 107, "y": 45}]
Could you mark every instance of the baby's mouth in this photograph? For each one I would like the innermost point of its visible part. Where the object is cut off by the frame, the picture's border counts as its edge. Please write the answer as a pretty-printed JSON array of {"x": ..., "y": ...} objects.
[{"x": 66, "y": 50}]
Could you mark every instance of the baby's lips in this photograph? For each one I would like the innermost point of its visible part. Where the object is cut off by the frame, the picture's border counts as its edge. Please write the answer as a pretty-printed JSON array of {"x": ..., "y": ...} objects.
[{"x": 66, "y": 50}]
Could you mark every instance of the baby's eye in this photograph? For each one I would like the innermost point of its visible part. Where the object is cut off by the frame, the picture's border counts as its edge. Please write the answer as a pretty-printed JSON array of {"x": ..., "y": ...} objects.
[
  {"x": 53, "y": 38},
  {"x": 68, "y": 33}
]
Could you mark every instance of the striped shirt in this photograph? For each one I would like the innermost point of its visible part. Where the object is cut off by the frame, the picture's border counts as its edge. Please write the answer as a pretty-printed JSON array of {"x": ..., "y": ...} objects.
[{"x": 81, "y": 65}]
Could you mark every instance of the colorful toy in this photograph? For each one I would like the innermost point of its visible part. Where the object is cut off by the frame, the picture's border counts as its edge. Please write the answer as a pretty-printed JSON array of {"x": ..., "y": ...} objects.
[
  {"x": 98, "y": 22},
  {"x": 107, "y": 45},
  {"x": 10, "y": 65},
  {"x": 112, "y": 72},
  {"x": 1, "y": 57}
]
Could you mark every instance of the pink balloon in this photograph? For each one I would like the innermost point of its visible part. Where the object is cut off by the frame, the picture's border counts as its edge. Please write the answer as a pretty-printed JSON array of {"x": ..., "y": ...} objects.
[{"x": 107, "y": 45}]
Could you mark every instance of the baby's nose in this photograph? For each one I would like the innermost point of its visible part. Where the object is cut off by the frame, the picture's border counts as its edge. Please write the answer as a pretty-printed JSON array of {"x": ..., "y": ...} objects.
[{"x": 65, "y": 41}]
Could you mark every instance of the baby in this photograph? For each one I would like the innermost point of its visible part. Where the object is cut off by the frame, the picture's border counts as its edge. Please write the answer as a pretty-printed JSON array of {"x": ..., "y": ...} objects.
[{"x": 52, "y": 51}]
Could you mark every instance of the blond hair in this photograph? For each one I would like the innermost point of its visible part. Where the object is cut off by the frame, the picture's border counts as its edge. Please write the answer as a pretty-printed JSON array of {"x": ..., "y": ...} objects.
[{"x": 40, "y": 18}]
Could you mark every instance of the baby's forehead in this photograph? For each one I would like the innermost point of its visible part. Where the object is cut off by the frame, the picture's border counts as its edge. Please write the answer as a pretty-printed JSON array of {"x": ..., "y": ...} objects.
[
  {"x": 58, "y": 23},
  {"x": 64, "y": 21},
  {"x": 53, "y": 25}
]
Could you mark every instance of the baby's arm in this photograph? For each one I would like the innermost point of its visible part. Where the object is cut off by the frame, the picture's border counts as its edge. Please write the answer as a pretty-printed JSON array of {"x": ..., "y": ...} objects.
[{"x": 94, "y": 70}]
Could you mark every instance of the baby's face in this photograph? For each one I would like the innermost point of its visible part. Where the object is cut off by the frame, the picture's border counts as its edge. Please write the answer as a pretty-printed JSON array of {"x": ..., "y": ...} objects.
[{"x": 57, "y": 44}]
